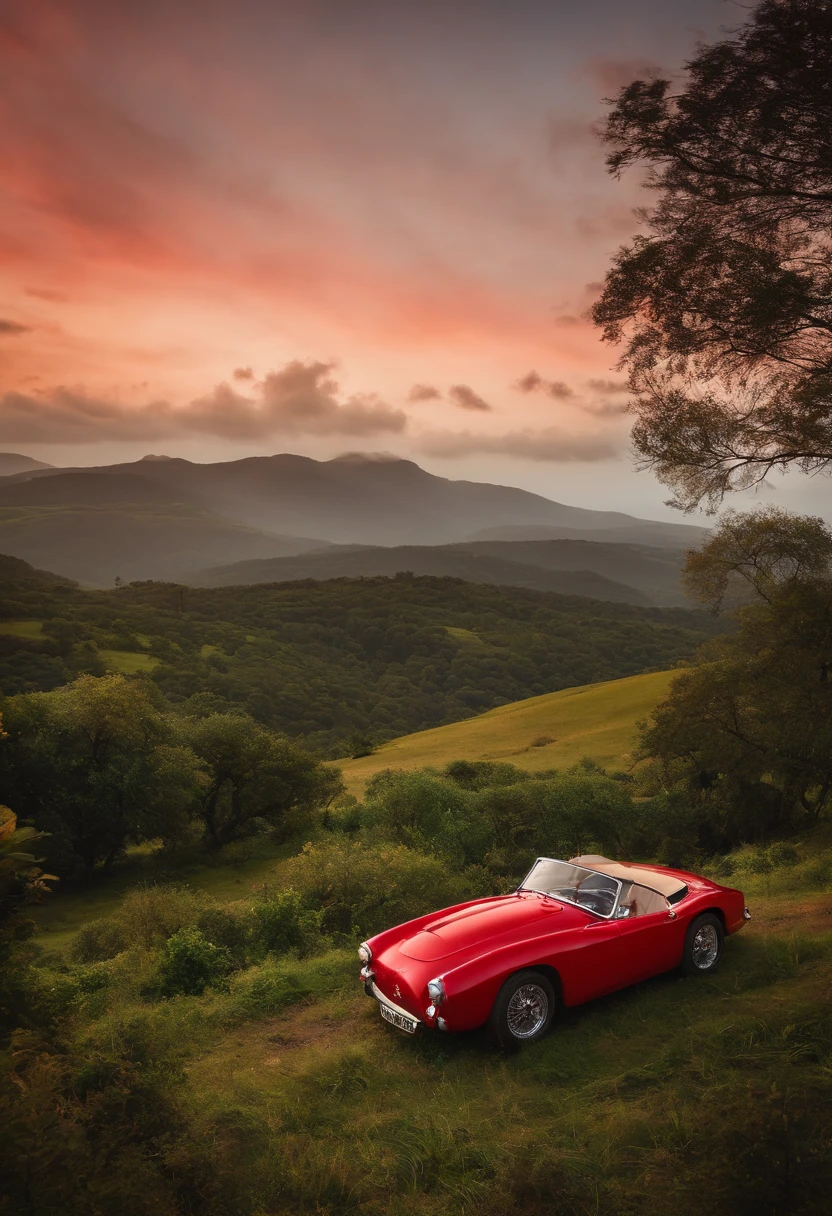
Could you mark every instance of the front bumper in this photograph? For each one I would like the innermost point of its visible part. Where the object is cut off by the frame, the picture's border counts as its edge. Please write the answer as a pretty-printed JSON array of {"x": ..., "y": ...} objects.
[{"x": 392, "y": 1013}]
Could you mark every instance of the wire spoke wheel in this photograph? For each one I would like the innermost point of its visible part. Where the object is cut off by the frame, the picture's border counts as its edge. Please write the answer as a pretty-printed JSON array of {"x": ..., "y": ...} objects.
[
  {"x": 705, "y": 947},
  {"x": 527, "y": 1011}
]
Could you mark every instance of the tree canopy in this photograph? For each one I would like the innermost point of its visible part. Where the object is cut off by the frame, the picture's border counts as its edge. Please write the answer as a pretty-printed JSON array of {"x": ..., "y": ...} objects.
[
  {"x": 747, "y": 733},
  {"x": 725, "y": 303}
]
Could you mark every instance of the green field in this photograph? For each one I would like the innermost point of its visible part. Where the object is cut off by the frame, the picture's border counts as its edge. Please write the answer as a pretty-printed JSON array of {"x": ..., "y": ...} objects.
[
  {"x": 127, "y": 662},
  {"x": 597, "y": 720},
  {"x": 22, "y": 629}
]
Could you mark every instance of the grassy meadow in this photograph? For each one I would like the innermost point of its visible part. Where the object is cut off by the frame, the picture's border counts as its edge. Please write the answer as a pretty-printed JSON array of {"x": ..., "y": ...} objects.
[
  {"x": 551, "y": 731},
  {"x": 693, "y": 1096}
]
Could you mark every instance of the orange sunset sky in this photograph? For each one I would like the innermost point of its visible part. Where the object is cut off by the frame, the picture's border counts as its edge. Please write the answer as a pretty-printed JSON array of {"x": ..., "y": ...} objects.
[{"x": 230, "y": 228}]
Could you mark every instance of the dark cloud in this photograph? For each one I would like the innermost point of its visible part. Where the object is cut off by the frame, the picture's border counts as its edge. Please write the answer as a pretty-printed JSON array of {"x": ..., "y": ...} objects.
[
  {"x": 423, "y": 392},
  {"x": 611, "y": 75},
  {"x": 13, "y": 327},
  {"x": 567, "y": 319},
  {"x": 243, "y": 373},
  {"x": 465, "y": 397},
  {"x": 609, "y": 386},
  {"x": 532, "y": 382},
  {"x": 549, "y": 444},
  {"x": 300, "y": 399}
]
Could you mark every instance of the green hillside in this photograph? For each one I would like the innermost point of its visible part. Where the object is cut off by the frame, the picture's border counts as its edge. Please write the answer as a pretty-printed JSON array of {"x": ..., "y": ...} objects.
[
  {"x": 344, "y": 664},
  {"x": 552, "y": 731}
]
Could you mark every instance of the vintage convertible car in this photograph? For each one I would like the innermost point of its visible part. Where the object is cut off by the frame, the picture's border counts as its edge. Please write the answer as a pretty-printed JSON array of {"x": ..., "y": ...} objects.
[{"x": 572, "y": 931}]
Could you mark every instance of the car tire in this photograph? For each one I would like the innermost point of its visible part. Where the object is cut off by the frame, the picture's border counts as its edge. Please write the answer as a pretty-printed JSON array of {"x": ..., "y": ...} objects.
[
  {"x": 523, "y": 1010},
  {"x": 703, "y": 945}
]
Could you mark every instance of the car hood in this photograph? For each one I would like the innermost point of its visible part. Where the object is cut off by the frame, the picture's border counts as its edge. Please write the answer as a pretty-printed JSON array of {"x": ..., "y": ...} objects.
[{"x": 489, "y": 920}]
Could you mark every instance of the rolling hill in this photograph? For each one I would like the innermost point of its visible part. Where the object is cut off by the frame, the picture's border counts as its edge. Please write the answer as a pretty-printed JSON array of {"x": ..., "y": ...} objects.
[
  {"x": 337, "y": 662},
  {"x": 632, "y": 574},
  {"x": 442, "y": 561},
  {"x": 551, "y": 731},
  {"x": 142, "y": 539}
]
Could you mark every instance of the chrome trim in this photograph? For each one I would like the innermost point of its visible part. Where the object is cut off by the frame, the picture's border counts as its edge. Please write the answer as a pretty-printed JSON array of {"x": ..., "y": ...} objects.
[
  {"x": 746, "y": 915},
  {"x": 436, "y": 990},
  {"x": 573, "y": 902},
  {"x": 385, "y": 1000}
]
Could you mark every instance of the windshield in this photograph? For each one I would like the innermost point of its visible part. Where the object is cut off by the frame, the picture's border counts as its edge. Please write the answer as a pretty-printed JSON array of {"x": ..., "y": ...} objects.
[{"x": 586, "y": 888}]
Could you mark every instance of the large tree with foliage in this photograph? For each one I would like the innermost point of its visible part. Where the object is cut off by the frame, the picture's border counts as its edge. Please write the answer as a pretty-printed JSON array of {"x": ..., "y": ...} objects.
[
  {"x": 725, "y": 302},
  {"x": 96, "y": 764},
  {"x": 253, "y": 777},
  {"x": 748, "y": 731}
]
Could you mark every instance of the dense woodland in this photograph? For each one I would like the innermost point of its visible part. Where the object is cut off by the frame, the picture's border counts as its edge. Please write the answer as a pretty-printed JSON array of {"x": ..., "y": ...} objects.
[{"x": 341, "y": 664}]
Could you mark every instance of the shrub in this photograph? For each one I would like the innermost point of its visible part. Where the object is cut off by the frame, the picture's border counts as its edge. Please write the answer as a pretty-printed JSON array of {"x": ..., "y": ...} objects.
[
  {"x": 190, "y": 964},
  {"x": 365, "y": 888},
  {"x": 281, "y": 922},
  {"x": 426, "y": 811},
  {"x": 150, "y": 915},
  {"x": 230, "y": 930},
  {"x": 99, "y": 940}
]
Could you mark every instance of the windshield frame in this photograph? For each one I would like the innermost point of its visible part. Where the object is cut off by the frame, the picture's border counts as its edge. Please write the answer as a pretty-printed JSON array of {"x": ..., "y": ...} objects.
[{"x": 573, "y": 902}]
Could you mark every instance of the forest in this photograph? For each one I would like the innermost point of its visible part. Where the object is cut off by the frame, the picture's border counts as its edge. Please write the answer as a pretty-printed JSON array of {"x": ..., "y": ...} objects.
[{"x": 341, "y": 664}]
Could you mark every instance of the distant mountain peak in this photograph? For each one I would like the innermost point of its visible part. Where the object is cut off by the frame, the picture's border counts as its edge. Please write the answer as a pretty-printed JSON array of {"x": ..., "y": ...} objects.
[
  {"x": 15, "y": 462},
  {"x": 156, "y": 458},
  {"x": 368, "y": 458}
]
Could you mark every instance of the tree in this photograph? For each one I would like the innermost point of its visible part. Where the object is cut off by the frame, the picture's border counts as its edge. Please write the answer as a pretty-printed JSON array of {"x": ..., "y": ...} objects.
[
  {"x": 95, "y": 764},
  {"x": 757, "y": 555},
  {"x": 253, "y": 775},
  {"x": 748, "y": 731},
  {"x": 726, "y": 302}
]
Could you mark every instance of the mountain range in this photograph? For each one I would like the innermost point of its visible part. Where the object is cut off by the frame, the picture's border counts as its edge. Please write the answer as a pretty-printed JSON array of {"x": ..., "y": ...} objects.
[{"x": 169, "y": 518}]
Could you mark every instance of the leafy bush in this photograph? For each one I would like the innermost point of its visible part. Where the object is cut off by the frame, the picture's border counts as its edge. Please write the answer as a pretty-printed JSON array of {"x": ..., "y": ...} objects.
[
  {"x": 228, "y": 929},
  {"x": 150, "y": 915},
  {"x": 363, "y": 888},
  {"x": 282, "y": 922},
  {"x": 99, "y": 940},
  {"x": 428, "y": 812},
  {"x": 190, "y": 964}
]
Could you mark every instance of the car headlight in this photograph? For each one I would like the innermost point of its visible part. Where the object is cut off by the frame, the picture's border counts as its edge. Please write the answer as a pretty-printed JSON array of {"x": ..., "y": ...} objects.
[
  {"x": 365, "y": 954},
  {"x": 436, "y": 991}
]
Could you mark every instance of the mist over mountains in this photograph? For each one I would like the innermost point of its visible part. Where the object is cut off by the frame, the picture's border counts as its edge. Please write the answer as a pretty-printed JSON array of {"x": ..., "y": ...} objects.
[{"x": 276, "y": 518}]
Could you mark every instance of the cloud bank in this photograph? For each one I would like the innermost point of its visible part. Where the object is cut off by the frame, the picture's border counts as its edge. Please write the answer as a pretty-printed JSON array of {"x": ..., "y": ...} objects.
[
  {"x": 549, "y": 444},
  {"x": 300, "y": 399}
]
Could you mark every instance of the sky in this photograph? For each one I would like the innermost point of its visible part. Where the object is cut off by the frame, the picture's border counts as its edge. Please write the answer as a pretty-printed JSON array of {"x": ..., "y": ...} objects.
[{"x": 236, "y": 227}]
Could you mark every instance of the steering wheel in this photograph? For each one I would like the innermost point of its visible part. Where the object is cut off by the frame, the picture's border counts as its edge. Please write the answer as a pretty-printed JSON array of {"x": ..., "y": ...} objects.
[{"x": 596, "y": 901}]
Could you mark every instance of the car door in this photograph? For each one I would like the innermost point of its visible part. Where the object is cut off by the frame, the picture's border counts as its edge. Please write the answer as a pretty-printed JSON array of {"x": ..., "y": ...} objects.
[
  {"x": 588, "y": 959},
  {"x": 651, "y": 937}
]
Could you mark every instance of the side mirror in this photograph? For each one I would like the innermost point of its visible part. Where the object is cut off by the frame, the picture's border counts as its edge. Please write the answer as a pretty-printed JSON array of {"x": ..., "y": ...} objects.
[{"x": 624, "y": 911}]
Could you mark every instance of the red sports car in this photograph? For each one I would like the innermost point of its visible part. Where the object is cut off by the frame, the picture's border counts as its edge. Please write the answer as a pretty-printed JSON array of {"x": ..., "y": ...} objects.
[{"x": 573, "y": 930}]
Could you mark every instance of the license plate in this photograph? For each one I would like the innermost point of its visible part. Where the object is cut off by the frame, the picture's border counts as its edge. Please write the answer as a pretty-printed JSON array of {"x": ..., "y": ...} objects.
[{"x": 398, "y": 1019}]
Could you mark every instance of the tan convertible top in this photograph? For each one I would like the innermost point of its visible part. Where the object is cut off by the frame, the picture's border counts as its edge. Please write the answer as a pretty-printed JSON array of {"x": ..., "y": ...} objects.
[{"x": 656, "y": 880}]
